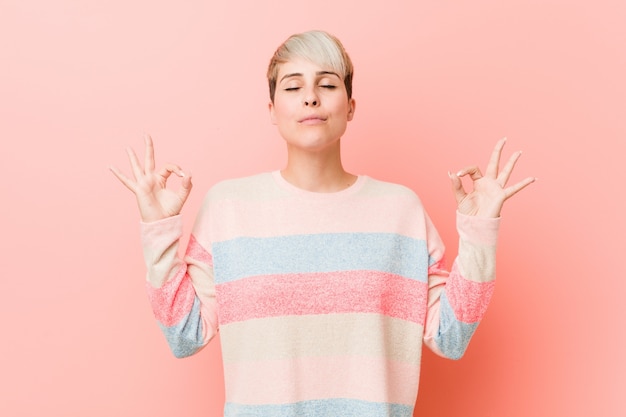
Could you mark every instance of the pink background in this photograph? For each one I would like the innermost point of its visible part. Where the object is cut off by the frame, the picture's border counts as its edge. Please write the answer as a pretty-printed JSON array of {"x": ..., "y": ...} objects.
[{"x": 436, "y": 83}]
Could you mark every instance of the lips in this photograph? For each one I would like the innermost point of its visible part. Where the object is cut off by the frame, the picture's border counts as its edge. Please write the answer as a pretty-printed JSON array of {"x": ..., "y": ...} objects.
[{"x": 312, "y": 120}]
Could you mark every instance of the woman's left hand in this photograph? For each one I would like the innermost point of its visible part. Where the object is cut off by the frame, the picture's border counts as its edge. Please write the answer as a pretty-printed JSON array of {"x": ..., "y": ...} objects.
[{"x": 490, "y": 191}]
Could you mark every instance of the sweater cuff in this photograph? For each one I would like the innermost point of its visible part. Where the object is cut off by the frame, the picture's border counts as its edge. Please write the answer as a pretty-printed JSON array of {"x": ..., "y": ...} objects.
[
  {"x": 478, "y": 230},
  {"x": 165, "y": 231}
]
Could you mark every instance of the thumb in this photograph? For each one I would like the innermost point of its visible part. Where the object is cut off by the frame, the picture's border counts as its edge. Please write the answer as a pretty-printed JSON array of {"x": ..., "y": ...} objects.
[{"x": 185, "y": 187}]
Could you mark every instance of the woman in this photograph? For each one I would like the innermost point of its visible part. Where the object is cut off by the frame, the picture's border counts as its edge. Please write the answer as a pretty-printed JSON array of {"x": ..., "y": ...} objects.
[{"x": 323, "y": 284}]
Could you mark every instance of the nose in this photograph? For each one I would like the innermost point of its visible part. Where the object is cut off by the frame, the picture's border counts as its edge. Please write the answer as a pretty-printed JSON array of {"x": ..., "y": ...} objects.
[{"x": 311, "y": 99}]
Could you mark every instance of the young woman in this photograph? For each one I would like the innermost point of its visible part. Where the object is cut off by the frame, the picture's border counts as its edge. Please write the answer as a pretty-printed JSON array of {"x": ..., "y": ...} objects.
[{"x": 322, "y": 283}]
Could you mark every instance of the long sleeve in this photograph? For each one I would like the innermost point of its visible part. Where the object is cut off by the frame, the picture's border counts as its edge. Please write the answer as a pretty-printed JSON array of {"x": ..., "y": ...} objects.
[
  {"x": 457, "y": 300},
  {"x": 187, "y": 317}
]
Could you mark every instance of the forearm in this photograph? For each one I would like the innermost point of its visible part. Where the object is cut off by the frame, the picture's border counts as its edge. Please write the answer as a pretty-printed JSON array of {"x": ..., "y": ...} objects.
[
  {"x": 459, "y": 299},
  {"x": 173, "y": 298}
]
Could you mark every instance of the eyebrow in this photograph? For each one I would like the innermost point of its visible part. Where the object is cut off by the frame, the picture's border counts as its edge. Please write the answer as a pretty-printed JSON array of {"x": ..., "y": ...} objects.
[{"x": 299, "y": 74}]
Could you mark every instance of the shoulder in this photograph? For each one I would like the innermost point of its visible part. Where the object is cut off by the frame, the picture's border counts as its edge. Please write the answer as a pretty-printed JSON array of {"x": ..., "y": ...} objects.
[
  {"x": 391, "y": 198},
  {"x": 380, "y": 188},
  {"x": 237, "y": 187}
]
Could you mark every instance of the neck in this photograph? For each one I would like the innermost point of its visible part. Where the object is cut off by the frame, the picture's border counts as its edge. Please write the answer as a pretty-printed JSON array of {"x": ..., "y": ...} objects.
[{"x": 320, "y": 172}]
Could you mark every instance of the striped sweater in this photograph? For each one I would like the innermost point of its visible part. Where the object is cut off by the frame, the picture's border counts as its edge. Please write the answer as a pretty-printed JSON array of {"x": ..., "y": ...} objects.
[{"x": 322, "y": 300}]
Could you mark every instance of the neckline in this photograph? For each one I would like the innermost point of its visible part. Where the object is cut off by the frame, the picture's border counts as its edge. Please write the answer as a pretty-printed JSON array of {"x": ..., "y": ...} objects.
[{"x": 286, "y": 185}]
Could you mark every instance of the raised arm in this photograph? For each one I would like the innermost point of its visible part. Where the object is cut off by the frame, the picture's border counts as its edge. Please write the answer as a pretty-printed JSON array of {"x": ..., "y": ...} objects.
[
  {"x": 186, "y": 316},
  {"x": 458, "y": 299}
]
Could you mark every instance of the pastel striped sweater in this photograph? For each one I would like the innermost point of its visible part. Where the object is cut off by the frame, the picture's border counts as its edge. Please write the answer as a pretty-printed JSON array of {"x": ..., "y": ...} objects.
[{"x": 322, "y": 300}]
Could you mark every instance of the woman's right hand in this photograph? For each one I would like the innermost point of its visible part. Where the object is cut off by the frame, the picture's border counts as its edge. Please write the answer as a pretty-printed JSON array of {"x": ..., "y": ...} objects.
[{"x": 155, "y": 201}]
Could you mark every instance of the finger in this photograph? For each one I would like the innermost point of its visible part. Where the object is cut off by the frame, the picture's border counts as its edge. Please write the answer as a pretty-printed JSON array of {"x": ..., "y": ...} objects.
[
  {"x": 123, "y": 178},
  {"x": 149, "y": 155},
  {"x": 473, "y": 172},
  {"x": 170, "y": 169},
  {"x": 134, "y": 163},
  {"x": 514, "y": 189},
  {"x": 457, "y": 187},
  {"x": 494, "y": 160},
  {"x": 505, "y": 173}
]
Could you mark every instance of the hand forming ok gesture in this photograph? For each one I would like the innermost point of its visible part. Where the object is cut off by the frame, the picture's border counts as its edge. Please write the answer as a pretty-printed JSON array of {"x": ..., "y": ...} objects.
[
  {"x": 155, "y": 201},
  {"x": 489, "y": 193}
]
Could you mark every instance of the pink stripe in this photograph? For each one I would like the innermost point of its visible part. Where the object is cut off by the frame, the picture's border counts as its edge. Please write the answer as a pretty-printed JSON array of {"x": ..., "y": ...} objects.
[
  {"x": 196, "y": 251},
  {"x": 469, "y": 299},
  {"x": 322, "y": 293},
  {"x": 365, "y": 378},
  {"x": 174, "y": 299}
]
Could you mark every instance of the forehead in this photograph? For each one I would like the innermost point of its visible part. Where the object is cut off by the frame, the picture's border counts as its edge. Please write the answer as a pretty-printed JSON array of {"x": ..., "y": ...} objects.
[{"x": 299, "y": 67}]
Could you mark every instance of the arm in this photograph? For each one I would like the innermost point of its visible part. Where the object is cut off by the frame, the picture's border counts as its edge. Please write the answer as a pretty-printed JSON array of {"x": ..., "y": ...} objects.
[
  {"x": 458, "y": 299},
  {"x": 186, "y": 316},
  {"x": 181, "y": 291}
]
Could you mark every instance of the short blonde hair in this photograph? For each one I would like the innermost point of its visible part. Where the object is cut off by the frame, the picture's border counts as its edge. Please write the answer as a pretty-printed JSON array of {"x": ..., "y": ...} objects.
[{"x": 316, "y": 46}]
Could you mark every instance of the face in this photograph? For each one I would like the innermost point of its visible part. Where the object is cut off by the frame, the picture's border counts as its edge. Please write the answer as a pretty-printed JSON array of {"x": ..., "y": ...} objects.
[{"x": 311, "y": 107}]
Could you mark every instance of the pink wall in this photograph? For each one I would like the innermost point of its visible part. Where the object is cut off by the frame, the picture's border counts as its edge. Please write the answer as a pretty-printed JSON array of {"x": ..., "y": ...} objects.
[{"x": 437, "y": 83}]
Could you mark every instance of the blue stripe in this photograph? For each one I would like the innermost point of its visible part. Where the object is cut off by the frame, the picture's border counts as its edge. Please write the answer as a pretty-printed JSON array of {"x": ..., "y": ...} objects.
[
  {"x": 454, "y": 335},
  {"x": 186, "y": 337},
  {"x": 335, "y": 407},
  {"x": 385, "y": 252}
]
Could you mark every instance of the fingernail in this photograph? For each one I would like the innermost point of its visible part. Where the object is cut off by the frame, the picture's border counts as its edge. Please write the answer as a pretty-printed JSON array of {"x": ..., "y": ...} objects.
[
  {"x": 181, "y": 173},
  {"x": 458, "y": 174}
]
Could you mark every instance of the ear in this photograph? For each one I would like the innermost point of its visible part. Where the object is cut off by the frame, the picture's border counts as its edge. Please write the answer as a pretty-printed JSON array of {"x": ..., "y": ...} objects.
[
  {"x": 352, "y": 108},
  {"x": 270, "y": 107}
]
